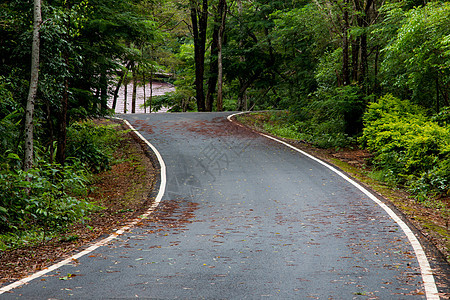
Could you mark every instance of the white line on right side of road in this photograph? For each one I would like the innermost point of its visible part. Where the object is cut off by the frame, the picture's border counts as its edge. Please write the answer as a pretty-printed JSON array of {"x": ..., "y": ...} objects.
[{"x": 427, "y": 273}]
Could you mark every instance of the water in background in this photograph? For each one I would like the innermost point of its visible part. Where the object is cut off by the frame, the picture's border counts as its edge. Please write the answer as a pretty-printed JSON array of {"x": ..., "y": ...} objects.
[{"x": 159, "y": 88}]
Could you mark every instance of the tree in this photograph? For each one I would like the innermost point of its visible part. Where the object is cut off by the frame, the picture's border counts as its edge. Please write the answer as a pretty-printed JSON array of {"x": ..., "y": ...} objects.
[
  {"x": 29, "y": 112},
  {"x": 199, "y": 19},
  {"x": 223, "y": 16},
  {"x": 213, "y": 66},
  {"x": 216, "y": 61},
  {"x": 417, "y": 57}
]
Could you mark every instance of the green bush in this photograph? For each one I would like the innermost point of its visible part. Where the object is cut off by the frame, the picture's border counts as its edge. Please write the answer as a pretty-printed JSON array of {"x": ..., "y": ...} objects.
[
  {"x": 92, "y": 144},
  {"x": 37, "y": 204},
  {"x": 10, "y": 118},
  {"x": 409, "y": 147},
  {"x": 331, "y": 118},
  {"x": 443, "y": 117},
  {"x": 42, "y": 198}
]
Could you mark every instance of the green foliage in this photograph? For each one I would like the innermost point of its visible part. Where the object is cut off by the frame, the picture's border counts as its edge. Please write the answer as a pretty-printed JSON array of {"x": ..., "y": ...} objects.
[
  {"x": 43, "y": 198},
  {"x": 37, "y": 204},
  {"x": 409, "y": 148},
  {"x": 283, "y": 129},
  {"x": 276, "y": 55},
  {"x": 330, "y": 118},
  {"x": 326, "y": 69},
  {"x": 417, "y": 57},
  {"x": 287, "y": 125},
  {"x": 10, "y": 118},
  {"x": 92, "y": 145},
  {"x": 83, "y": 44},
  {"x": 443, "y": 117},
  {"x": 183, "y": 98}
]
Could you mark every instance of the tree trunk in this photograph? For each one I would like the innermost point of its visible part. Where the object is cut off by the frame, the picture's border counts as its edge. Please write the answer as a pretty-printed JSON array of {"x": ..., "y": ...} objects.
[
  {"x": 103, "y": 91},
  {"x": 356, "y": 43},
  {"x": 438, "y": 108},
  {"x": 29, "y": 112},
  {"x": 116, "y": 92},
  {"x": 199, "y": 17},
  {"x": 213, "y": 66},
  {"x": 62, "y": 116},
  {"x": 125, "y": 92},
  {"x": 355, "y": 59},
  {"x": 365, "y": 21},
  {"x": 50, "y": 128},
  {"x": 443, "y": 88},
  {"x": 223, "y": 14},
  {"x": 119, "y": 84},
  {"x": 345, "y": 56},
  {"x": 143, "y": 85},
  {"x": 242, "y": 95},
  {"x": 133, "y": 97},
  {"x": 151, "y": 89},
  {"x": 220, "y": 79},
  {"x": 62, "y": 124},
  {"x": 377, "y": 89},
  {"x": 364, "y": 62}
]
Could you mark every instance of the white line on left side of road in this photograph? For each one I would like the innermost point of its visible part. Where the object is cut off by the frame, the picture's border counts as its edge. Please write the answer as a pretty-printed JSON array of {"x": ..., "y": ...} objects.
[
  {"x": 150, "y": 210},
  {"x": 426, "y": 271}
]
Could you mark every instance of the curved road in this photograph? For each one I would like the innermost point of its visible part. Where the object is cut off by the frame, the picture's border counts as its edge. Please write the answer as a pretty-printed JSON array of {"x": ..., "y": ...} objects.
[{"x": 243, "y": 217}]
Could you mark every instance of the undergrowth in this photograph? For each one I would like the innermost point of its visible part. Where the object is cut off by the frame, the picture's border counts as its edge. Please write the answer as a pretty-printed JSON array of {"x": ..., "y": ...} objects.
[
  {"x": 283, "y": 124},
  {"x": 410, "y": 149},
  {"x": 41, "y": 203}
]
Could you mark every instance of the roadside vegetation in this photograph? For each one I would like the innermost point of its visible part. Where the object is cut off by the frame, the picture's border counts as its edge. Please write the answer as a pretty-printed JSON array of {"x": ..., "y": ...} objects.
[
  {"x": 362, "y": 73},
  {"x": 113, "y": 196},
  {"x": 41, "y": 203}
]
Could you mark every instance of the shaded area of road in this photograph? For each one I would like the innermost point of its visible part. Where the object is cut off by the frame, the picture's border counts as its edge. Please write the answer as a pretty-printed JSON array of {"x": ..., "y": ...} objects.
[{"x": 243, "y": 217}]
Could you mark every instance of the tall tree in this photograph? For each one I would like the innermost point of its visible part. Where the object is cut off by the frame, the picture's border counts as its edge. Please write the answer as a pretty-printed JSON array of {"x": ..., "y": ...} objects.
[
  {"x": 199, "y": 19},
  {"x": 242, "y": 97},
  {"x": 416, "y": 63},
  {"x": 216, "y": 65},
  {"x": 345, "y": 45},
  {"x": 134, "y": 94},
  {"x": 62, "y": 115},
  {"x": 29, "y": 113},
  {"x": 222, "y": 11},
  {"x": 213, "y": 66}
]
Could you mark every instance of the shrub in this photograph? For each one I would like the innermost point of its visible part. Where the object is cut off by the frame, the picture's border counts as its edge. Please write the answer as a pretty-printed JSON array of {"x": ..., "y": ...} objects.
[
  {"x": 409, "y": 148},
  {"x": 92, "y": 144},
  {"x": 443, "y": 117},
  {"x": 42, "y": 198},
  {"x": 10, "y": 118},
  {"x": 331, "y": 118},
  {"x": 37, "y": 204}
]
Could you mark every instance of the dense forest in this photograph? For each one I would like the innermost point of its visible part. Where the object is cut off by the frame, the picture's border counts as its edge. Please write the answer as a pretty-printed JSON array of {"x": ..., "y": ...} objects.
[{"x": 370, "y": 73}]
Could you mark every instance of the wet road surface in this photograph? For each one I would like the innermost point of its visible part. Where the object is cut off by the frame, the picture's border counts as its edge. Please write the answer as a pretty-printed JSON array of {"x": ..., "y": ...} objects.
[{"x": 243, "y": 217}]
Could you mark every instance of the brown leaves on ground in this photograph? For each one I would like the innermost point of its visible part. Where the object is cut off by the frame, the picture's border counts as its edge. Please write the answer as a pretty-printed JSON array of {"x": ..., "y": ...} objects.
[
  {"x": 431, "y": 222},
  {"x": 124, "y": 192}
]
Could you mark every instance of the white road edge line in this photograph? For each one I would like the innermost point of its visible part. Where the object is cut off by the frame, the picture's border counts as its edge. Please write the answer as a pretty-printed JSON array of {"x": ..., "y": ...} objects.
[
  {"x": 114, "y": 235},
  {"x": 427, "y": 273}
]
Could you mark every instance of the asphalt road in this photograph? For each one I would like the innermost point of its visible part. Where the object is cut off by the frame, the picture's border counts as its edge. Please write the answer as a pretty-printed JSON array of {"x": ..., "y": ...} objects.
[{"x": 243, "y": 217}]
